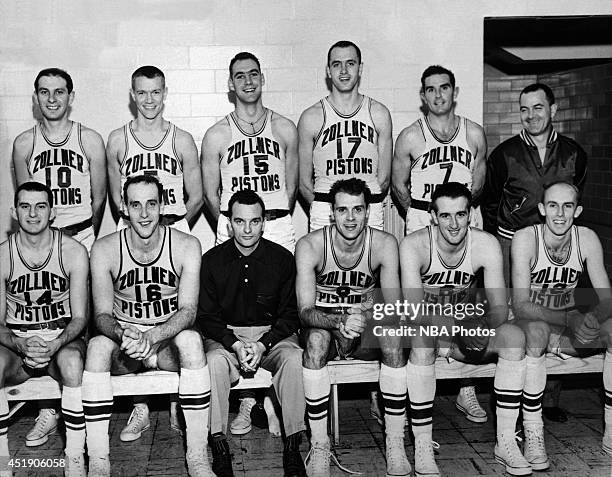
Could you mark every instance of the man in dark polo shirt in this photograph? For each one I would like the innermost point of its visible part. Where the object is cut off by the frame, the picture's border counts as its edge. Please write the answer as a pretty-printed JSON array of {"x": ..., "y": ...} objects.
[{"x": 248, "y": 315}]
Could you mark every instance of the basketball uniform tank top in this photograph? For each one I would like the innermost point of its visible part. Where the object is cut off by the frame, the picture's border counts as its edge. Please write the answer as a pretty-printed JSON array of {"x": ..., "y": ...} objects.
[
  {"x": 444, "y": 283},
  {"x": 146, "y": 293},
  {"x": 254, "y": 161},
  {"x": 553, "y": 283},
  {"x": 161, "y": 161},
  {"x": 64, "y": 167},
  {"x": 337, "y": 285},
  {"x": 37, "y": 294},
  {"x": 346, "y": 146},
  {"x": 441, "y": 161}
]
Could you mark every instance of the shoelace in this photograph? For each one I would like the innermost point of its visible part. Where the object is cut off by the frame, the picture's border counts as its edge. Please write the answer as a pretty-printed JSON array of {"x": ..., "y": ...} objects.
[
  {"x": 430, "y": 448},
  {"x": 41, "y": 419},
  {"x": 514, "y": 451},
  {"x": 246, "y": 407},
  {"x": 333, "y": 458},
  {"x": 536, "y": 437},
  {"x": 472, "y": 400},
  {"x": 136, "y": 416}
]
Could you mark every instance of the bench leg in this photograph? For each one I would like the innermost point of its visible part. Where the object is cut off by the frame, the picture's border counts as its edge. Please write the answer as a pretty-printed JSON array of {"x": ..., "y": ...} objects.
[{"x": 333, "y": 409}]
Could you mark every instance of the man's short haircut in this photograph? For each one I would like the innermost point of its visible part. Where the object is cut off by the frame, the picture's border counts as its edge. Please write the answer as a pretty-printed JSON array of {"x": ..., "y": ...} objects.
[
  {"x": 245, "y": 197},
  {"x": 343, "y": 44},
  {"x": 150, "y": 72},
  {"x": 33, "y": 187},
  {"x": 532, "y": 88},
  {"x": 143, "y": 179},
  {"x": 561, "y": 182},
  {"x": 452, "y": 190},
  {"x": 437, "y": 70},
  {"x": 352, "y": 186},
  {"x": 243, "y": 55},
  {"x": 54, "y": 72}
]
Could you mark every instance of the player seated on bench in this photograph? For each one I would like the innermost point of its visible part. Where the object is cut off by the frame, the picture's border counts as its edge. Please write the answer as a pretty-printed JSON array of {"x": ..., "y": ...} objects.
[
  {"x": 43, "y": 312},
  {"x": 146, "y": 281},
  {"x": 338, "y": 269},
  {"x": 547, "y": 261},
  {"x": 438, "y": 266}
]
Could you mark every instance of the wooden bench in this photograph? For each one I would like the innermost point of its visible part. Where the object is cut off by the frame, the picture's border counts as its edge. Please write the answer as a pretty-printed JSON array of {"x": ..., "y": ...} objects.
[{"x": 341, "y": 372}]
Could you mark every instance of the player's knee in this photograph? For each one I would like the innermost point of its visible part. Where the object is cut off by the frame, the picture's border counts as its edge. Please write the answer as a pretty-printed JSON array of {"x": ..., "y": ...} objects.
[
  {"x": 537, "y": 334},
  {"x": 99, "y": 351},
  {"x": 316, "y": 349},
  {"x": 70, "y": 365},
  {"x": 510, "y": 337},
  {"x": 393, "y": 356},
  {"x": 422, "y": 355},
  {"x": 188, "y": 339}
]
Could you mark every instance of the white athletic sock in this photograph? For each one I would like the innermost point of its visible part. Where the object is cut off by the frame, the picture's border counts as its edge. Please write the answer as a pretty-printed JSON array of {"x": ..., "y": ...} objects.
[
  {"x": 194, "y": 397},
  {"x": 421, "y": 383},
  {"x": 74, "y": 419},
  {"x": 317, "y": 386},
  {"x": 607, "y": 382},
  {"x": 535, "y": 382},
  {"x": 508, "y": 384},
  {"x": 392, "y": 383},
  {"x": 97, "y": 393},
  {"x": 4, "y": 411}
]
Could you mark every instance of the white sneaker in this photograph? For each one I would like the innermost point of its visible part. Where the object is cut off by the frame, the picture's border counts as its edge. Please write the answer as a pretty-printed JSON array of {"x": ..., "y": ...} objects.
[
  {"x": 317, "y": 460},
  {"x": 397, "y": 461},
  {"x": 534, "y": 449},
  {"x": 198, "y": 465},
  {"x": 137, "y": 423},
  {"x": 75, "y": 466},
  {"x": 508, "y": 454},
  {"x": 99, "y": 466},
  {"x": 424, "y": 458},
  {"x": 46, "y": 424},
  {"x": 242, "y": 422},
  {"x": 468, "y": 404},
  {"x": 606, "y": 443}
]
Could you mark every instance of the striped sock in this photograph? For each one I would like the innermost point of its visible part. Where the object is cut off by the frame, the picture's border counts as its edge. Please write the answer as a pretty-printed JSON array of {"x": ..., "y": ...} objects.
[
  {"x": 317, "y": 386},
  {"x": 4, "y": 412},
  {"x": 607, "y": 382},
  {"x": 393, "y": 389},
  {"x": 194, "y": 397},
  {"x": 74, "y": 419},
  {"x": 421, "y": 381},
  {"x": 508, "y": 384},
  {"x": 97, "y": 393},
  {"x": 535, "y": 382}
]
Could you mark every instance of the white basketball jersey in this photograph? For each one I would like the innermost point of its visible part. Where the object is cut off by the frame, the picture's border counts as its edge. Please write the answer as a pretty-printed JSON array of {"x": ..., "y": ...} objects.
[
  {"x": 443, "y": 283},
  {"x": 254, "y": 161},
  {"x": 553, "y": 283},
  {"x": 64, "y": 167},
  {"x": 161, "y": 161},
  {"x": 441, "y": 161},
  {"x": 346, "y": 146}
]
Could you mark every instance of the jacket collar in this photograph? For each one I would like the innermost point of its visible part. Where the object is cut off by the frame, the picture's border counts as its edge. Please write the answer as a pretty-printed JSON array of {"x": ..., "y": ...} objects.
[{"x": 552, "y": 137}]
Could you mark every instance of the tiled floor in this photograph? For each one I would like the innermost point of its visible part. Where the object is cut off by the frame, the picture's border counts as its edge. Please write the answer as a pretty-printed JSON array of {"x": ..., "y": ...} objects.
[{"x": 466, "y": 449}]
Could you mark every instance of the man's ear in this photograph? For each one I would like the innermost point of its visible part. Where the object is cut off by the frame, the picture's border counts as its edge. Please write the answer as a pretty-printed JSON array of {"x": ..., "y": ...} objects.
[
  {"x": 541, "y": 209},
  {"x": 578, "y": 211}
]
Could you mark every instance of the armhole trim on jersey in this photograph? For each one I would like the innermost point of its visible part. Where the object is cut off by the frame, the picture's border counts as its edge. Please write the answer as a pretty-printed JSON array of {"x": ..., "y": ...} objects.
[
  {"x": 431, "y": 246},
  {"x": 121, "y": 239},
  {"x": 325, "y": 233},
  {"x": 11, "y": 256},
  {"x": 370, "y": 240},
  {"x": 79, "y": 137},
  {"x": 173, "y": 137},
  {"x": 170, "y": 251},
  {"x": 322, "y": 125},
  {"x": 29, "y": 159},
  {"x": 126, "y": 141},
  {"x": 578, "y": 247},
  {"x": 60, "y": 253},
  {"x": 537, "y": 247}
]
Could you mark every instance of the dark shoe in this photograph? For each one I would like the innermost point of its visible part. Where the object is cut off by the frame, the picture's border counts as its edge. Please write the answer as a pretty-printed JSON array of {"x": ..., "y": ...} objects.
[
  {"x": 222, "y": 459},
  {"x": 555, "y": 414},
  {"x": 293, "y": 465}
]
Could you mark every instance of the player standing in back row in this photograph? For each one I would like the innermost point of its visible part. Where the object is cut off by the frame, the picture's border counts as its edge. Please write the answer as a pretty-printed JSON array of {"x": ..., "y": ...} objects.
[{"x": 345, "y": 134}]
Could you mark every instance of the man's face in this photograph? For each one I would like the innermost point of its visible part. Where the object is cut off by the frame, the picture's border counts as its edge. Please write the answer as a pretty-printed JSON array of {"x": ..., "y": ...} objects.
[
  {"x": 33, "y": 212},
  {"x": 143, "y": 208},
  {"x": 536, "y": 112},
  {"x": 246, "y": 81},
  {"x": 247, "y": 224},
  {"x": 351, "y": 214},
  {"x": 149, "y": 95},
  {"x": 52, "y": 97},
  {"x": 560, "y": 208},
  {"x": 344, "y": 68},
  {"x": 438, "y": 94},
  {"x": 452, "y": 218}
]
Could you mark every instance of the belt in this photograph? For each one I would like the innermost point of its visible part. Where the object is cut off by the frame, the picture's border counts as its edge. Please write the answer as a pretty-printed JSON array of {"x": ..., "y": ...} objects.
[
  {"x": 271, "y": 214},
  {"x": 169, "y": 219},
  {"x": 74, "y": 229},
  {"x": 333, "y": 310},
  {"x": 420, "y": 204},
  {"x": 323, "y": 197},
  {"x": 51, "y": 325}
]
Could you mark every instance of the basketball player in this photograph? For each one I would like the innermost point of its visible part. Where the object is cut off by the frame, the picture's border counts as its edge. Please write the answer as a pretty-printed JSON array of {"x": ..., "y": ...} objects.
[
  {"x": 69, "y": 158},
  {"x": 251, "y": 148},
  {"x": 152, "y": 145},
  {"x": 338, "y": 269},
  {"x": 345, "y": 134},
  {"x": 438, "y": 266},
  {"x": 146, "y": 278},
  {"x": 438, "y": 148},
  {"x": 547, "y": 262},
  {"x": 43, "y": 312}
]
